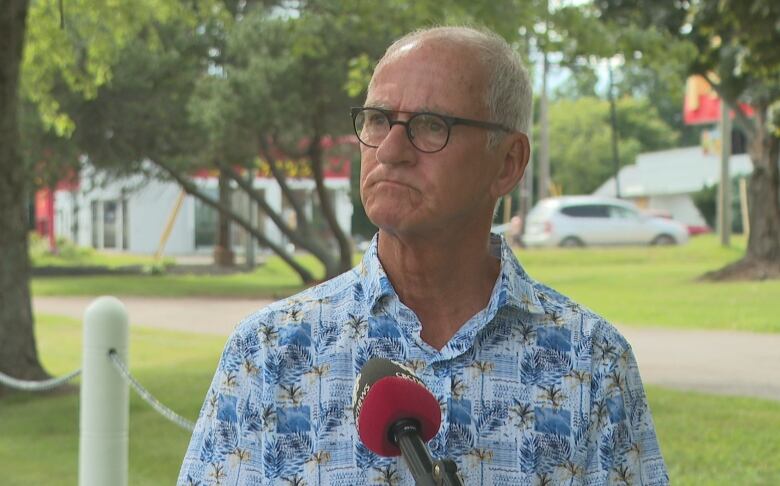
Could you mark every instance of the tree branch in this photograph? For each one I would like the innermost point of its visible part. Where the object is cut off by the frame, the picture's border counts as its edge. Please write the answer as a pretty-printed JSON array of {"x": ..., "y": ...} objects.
[
  {"x": 190, "y": 188},
  {"x": 293, "y": 153},
  {"x": 294, "y": 236},
  {"x": 345, "y": 247},
  {"x": 740, "y": 118},
  {"x": 281, "y": 179}
]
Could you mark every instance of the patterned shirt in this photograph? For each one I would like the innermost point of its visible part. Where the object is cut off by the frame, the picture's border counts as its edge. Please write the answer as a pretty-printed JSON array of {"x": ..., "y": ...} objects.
[{"x": 534, "y": 389}]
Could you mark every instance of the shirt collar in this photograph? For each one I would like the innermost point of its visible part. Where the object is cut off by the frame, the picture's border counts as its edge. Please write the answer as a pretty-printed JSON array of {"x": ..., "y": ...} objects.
[
  {"x": 514, "y": 287},
  {"x": 375, "y": 281}
]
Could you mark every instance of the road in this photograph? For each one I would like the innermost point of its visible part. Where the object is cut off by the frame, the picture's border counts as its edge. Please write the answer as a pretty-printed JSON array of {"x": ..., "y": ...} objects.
[{"x": 720, "y": 362}]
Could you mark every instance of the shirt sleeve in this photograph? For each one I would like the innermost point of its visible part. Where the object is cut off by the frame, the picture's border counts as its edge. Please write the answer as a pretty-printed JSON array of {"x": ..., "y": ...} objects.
[
  {"x": 624, "y": 448},
  {"x": 226, "y": 433}
]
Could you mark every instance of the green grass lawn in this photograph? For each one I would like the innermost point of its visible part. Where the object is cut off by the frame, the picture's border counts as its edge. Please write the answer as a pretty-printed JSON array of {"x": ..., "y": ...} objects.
[
  {"x": 39, "y": 438},
  {"x": 70, "y": 255},
  {"x": 655, "y": 286},
  {"x": 272, "y": 279},
  {"x": 705, "y": 439}
]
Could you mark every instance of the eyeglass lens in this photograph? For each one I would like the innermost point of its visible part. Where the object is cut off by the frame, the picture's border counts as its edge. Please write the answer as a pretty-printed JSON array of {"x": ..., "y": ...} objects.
[{"x": 427, "y": 132}]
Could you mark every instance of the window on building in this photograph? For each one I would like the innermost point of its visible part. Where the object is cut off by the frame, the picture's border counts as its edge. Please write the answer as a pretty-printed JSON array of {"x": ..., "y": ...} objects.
[
  {"x": 94, "y": 208},
  {"x": 125, "y": 225},
  {"x": 206, "y": 221},
  {"x": 109, "y": 224},
  {"x": 260, "y": 216}
]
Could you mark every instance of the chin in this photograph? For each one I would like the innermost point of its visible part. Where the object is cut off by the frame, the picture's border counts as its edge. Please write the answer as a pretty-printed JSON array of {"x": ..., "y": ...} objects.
[
  {"x": 389, "y": 221},
  {"x": 386, "y": 222}
]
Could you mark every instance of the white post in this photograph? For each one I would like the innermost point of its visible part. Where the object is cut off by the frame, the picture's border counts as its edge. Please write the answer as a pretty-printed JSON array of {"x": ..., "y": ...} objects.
[{"x": 104, "y": 406}]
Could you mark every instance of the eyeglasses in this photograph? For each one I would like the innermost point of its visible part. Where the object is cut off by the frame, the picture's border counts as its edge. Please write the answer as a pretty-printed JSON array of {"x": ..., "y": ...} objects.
[{"x": 428, "y": 132}]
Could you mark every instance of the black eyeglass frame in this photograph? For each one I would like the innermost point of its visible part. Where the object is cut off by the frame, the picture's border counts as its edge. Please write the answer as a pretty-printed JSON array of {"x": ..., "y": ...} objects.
[{"x": 450, "y": 121}]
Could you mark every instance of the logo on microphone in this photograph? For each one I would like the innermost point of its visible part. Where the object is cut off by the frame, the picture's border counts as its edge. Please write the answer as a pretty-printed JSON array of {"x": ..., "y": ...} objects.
[{"x": 409, "y": 376}]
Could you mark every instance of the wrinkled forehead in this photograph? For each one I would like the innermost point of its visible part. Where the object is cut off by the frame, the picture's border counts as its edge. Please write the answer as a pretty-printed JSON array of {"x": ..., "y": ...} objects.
[
  {"x": 405, "y": 48},
  {"x": 448, "y": 51},
  {"x": 444, "y": 73}
]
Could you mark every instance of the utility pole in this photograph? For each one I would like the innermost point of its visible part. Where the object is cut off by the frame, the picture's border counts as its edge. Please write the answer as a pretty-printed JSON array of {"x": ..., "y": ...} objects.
[
  {"x": 544, "y": 136},
  {"x": 724, "y": 190},
  {"x": 526, "y": 187},
  {"x": 613, "y": 121},
  {"x": 250, "y": 214}
]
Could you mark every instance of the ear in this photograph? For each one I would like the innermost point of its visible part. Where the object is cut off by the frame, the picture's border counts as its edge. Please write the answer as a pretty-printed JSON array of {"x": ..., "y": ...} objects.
[{"x": 516, "y": 152}]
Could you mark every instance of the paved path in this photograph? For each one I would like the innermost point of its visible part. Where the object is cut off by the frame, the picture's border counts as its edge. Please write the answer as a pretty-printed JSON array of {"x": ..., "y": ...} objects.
[
  {"x": 193, "y": 314},
  {"x": 722, "y": 362}
]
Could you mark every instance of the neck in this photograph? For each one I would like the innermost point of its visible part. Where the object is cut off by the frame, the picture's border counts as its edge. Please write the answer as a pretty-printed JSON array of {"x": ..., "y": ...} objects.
[{"x": 445, "y": 281}]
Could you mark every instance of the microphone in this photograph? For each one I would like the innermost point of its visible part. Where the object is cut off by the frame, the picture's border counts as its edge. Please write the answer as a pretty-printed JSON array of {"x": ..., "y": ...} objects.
[{"x": 395, "y": 414}]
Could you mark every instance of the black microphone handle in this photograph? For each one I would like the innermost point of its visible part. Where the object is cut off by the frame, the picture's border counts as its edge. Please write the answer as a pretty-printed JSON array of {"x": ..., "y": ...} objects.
[
  {"x": 406, "y": 434},
  {"x": 445, "y": 473}
]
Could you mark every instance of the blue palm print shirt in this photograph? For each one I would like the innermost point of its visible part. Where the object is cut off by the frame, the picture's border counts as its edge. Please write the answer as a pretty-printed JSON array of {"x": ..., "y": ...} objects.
[{"x": 534, "y": 389}]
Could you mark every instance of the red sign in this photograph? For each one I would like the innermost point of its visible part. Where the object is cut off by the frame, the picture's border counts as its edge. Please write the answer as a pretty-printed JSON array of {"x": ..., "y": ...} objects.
[
  {"x": 702, "y": 104},
  {"x": 44, "y": 216},
  {"x": 334, "y": 166}
]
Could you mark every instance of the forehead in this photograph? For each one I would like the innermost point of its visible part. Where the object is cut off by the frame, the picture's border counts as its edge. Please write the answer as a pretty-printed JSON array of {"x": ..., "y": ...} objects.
[{"x": 431, "y": 76}]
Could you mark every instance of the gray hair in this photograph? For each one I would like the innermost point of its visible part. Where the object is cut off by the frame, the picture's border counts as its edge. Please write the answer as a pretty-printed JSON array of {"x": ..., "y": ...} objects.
[{"x": 508, "y": 97}]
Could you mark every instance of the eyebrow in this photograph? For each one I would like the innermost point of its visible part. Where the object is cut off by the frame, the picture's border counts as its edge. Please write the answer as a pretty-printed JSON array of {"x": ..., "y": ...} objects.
[
  {"x": 424, "y": 109},
  {"x": 377, "y": 104}
]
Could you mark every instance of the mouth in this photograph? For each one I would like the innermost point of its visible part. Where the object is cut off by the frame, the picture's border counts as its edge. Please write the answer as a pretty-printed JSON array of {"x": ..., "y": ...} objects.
[{"x": 390, "y": 183}]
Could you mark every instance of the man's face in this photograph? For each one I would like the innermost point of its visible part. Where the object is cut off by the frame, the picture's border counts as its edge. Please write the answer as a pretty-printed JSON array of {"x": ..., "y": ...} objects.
[{"x": 405, "y": 191}]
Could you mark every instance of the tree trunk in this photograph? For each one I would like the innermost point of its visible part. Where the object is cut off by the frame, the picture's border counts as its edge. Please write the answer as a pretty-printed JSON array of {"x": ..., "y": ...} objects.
[
  {"x": 300, "y": 237},
  {"x": 193, "y": 190},
  {"x": 762, "y": 258},
  {"x": 764, "y": 200},
  {"x": 345, "y": 247},
  {"x": 18, "y": 353}
]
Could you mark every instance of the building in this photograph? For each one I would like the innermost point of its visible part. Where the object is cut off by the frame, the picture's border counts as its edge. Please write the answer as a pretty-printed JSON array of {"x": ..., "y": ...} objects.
[
  {"x": 665, "y": 181},
  {"x": 132, "y": 213}
]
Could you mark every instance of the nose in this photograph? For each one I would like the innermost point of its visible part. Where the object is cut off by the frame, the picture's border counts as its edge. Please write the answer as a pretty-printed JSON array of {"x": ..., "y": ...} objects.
[{"x": 396, "y": 148}]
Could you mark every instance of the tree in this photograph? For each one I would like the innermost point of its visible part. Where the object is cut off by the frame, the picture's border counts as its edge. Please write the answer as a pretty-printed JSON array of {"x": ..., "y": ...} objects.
[
  {"x": 581, "y": 144},
  {"x": 733, "y": 44},
  {"x": 118, "y": 82},
  {"x": 56, "y": 53},
  {"x": 279, "y": 89},
  {"x": 278, "y": 92},
  {"x": 219, "y": 95},
  {"x": 580, "y": 84},
  {"x": 18, "y": 353},
  {"x": 141, "y": 112},
  {"x": 665, "y": 85}
]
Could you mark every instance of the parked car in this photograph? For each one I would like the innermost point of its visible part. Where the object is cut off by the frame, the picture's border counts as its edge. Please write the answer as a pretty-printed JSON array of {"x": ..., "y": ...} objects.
[{"x": 572, "y": 221}]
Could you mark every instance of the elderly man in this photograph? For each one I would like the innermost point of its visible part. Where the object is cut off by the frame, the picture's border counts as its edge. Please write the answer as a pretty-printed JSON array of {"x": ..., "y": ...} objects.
[{"x": 533, "y": 388}]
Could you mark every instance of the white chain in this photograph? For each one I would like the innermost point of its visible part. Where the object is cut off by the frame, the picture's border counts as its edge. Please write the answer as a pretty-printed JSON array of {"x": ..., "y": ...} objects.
[
  {"x": 148, "y": 397},
  {"x": 43, "y": 385}
]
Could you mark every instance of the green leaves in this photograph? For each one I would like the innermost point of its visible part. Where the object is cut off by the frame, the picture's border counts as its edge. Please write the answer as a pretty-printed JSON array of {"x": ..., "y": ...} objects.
[
  {"x": 360, "y": 69},
  {"x": 82, "y": 55},
  {"x": 735, "y": 39},
  {"x": 580, "y": 139}
]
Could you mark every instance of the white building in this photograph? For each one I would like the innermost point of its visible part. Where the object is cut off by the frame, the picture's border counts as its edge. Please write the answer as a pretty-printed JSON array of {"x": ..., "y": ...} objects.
[
  {"x": 132, "y": 213},
  {"x": 666, "y": 180}
]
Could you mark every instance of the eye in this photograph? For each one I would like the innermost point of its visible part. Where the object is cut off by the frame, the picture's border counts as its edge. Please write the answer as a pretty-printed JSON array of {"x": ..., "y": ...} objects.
[
  {"x": 431, "y": 124},
  {"x": 375, "y": 118}
]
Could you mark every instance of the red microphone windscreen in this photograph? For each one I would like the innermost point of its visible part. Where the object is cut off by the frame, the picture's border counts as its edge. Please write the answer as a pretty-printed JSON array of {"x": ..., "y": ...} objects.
[{"x": 386, "y": 393}]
